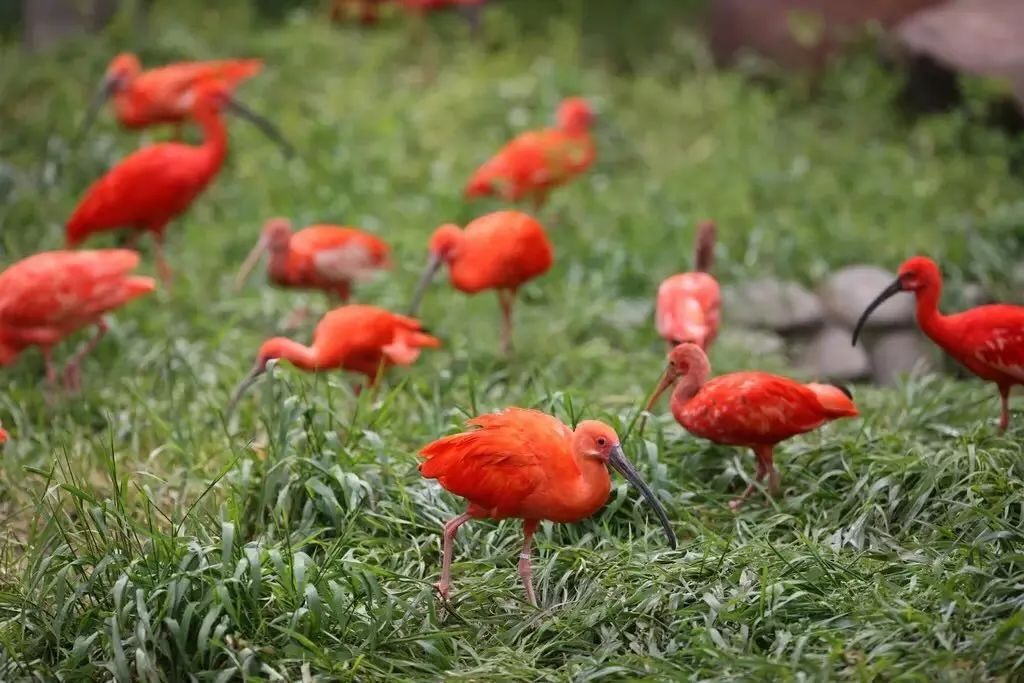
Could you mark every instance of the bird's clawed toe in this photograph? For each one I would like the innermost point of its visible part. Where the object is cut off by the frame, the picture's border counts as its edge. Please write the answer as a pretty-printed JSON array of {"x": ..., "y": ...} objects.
[{"x": 442, "y": 590}]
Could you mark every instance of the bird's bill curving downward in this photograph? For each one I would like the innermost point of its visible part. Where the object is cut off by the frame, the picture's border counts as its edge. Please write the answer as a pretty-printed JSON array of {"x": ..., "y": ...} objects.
[
  {"x": 243, "y": 386},
  {"x": 617, "y": 459},
  {"x": 107, "y": 88},
  {"x": 890, "y": 291},
  {"x": 265, "y": 126},
  {"x": 250, "y": 262},
  {"x": 433, "y": 263},
  {"x": 667, "y": 379}
]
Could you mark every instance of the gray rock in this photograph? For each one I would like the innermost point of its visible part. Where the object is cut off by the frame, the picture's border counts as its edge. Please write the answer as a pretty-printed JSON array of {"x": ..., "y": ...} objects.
[
  {"x": 829, "y": 356},
  {"x": 900, "y": 352},
  {"x": 848, "y": 291},
  {"x": 772, "y": 304},
  {"x": 973, "y": 294}
]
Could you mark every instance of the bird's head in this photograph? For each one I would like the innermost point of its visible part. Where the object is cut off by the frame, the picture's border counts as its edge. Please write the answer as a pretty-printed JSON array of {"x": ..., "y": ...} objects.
[
  {"x": 276, "y": 234},
  {"x": 596, "y": 440},
  {"x": 122, "y": 70},
  {"x": 270, "y": 350},
  {"x": 575, "y": 115},
  {"x": 443, "y": 246},
  {"x": 685, "y": 360},
  {"x": 918, "y": 274}
]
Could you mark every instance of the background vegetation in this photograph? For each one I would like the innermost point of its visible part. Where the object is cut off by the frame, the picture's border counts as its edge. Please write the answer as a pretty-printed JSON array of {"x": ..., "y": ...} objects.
[{"x": 146, "y": 537}]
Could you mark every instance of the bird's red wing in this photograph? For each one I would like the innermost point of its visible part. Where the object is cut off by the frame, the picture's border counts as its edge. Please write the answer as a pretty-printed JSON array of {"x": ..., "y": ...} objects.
[
  {"x": 747, "y": 408},
  {"x": 501, "y": 462},
  {"x": 51, "y": 288},
  {"x": 995, "y": 336},
  {"x": 175, "y": 80}
]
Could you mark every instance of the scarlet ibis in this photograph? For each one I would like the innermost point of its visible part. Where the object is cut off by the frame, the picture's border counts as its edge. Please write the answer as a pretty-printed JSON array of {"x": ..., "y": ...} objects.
[
  {"x": 752, "y": 409},
  {"x": 165, "y": 94},
  {"x": 525, "y": 464},
  {"x": 155, "y": 184},
  {"x": 534, "y": 163},
  {"x": 500, "y": 250},
  {"x": 324, "y": 257},
  {"x": 4, "y": 436},
  {"x": 987, "y": 340},
  {"x": 47, "y": 297},
  {"x": 362, "y": 339},
  {"x": 688, "y": 303}
]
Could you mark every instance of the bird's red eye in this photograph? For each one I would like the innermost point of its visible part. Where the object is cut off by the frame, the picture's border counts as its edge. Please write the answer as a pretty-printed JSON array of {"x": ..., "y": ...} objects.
[{"x": 601, "y": 441}]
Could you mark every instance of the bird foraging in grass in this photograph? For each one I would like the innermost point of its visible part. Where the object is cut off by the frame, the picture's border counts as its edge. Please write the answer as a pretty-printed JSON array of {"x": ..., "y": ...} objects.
[
  {"x": 688, "y": 304},
  {"x": 49, "y": 296},
  {"x": 525, "y": 464},
  {"x": 987, "y": 340},
  {"x": 752, "y": 409},
  {"x": 535, "y": 162},
  {"x": 361, "y": 339},
  {"x": 501, "y": 250}
]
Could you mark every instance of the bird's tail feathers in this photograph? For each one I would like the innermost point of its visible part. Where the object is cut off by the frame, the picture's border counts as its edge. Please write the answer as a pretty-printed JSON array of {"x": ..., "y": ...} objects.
[
  {"x": 704, "y": 249},
  {"x": 836, "y": 400}
]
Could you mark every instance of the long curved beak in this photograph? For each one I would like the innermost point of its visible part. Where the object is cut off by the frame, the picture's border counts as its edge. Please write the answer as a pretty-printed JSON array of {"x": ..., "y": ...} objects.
[
  {"x": 103, "y": 93},
  {"x": 265, "y": 126},
  {"x": 617, "y": 459},
  {"x": 667, "y": 378},
  {"x": 890, "y": 291},
  {"x": 250, "y": 262},
  {"x": 244, "y": 385},
  {"x": 433, "y": 263}
]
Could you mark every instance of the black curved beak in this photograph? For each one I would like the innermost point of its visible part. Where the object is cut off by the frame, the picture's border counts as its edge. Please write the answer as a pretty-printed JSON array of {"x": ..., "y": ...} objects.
[
  {"x": 265, "y": 126},
  {"x": 617, "y": 459},
  {"x": 105, "y": 91},
  {"x": 243, "y": 386},
  {"x": 890, "y": 291},
  {"x": 433, "y": 263}
]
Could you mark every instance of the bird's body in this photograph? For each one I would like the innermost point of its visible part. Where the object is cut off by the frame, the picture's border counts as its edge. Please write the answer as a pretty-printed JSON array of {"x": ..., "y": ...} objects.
[
  {"x": 49, "y": 296},
  {"x": 327, "y": 258},
  {"x": 688, "y": 304},
  {"x": 525, "y": 464},
  {"x": 155, "y": 184},
  {"x": 535, "y": 162},
  {"x": 361, "y": 339},
  {"x": 752, "y": 409},
  {"x": 987, "y": 340},
  {"x": 501, "y": 251}
]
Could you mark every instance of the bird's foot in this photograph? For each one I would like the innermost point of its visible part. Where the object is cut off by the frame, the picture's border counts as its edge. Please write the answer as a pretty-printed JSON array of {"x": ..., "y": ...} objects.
[{"x": 442, "y": 590}]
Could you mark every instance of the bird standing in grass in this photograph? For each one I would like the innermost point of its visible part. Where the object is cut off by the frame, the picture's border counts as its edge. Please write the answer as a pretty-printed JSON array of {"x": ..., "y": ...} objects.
[
  {"x": 362, "y": 339},
  {"x": 155, "y": 184},
  {"x": 164, "y": 95},
  {"x": 501, "y": 250},
  {"x": 987, "y": 340},
  {"x": 525, "y": 464},
  {"x": 323, "y": 257},
  {"x": 688, "y": 304},
  {"x": 534, "y": 163},
  {"x": 49, "y": 296},
  {"x": 752, "y": 409}
]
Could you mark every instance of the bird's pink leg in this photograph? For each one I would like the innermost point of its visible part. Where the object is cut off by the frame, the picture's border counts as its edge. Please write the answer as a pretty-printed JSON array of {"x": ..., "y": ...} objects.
[
  {"x": 450, "y": 527},
  {"x": 506, "y": 297},
  {"x": 51, "y": 371},
  {"x": 525, "y": 570},
  {"x": 1004, "y": 396},
  {"x": 765, "y": 465},
  {"x": 72, "y": 371},
  {"x": 162, "y": 269}
]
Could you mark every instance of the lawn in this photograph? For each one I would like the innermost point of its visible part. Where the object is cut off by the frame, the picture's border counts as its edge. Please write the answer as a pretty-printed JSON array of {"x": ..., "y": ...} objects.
[{"x": 146, "y": 536}]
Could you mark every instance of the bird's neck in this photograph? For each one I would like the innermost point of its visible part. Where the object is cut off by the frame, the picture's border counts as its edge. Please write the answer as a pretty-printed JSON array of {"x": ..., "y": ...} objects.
[
  {"x": 215, "y": 137},
  {"x": 688, "y": 387},
  {"x": 931, "y": 320},
  {"x": 278, "y": 267},
  {"x": 302, "y": 357}
]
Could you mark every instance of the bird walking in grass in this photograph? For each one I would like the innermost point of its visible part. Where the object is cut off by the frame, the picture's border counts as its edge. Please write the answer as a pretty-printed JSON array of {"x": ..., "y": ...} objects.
[
  {"x": 49, "y": 296},
  {"x": 987, "y": 340},
  {"x": 688, "y": 304},
  {"x": 535, "y": 162},
  {"x": 164, "y": 95},
  {"x": 155, "y": 184},
  {"x": 501, "y": 251},
  {"x": 752, "y": 409},
  {"x": 328, "y": 258},
  {"x": 361, "y": 339},
  {"x": 525, "y": 464}
]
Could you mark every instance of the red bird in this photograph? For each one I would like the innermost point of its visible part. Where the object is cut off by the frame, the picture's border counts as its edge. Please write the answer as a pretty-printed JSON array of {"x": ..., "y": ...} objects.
[
  {"x": 155, "y": 184},
  {"x": 324, "y": 257},
  {"x": 535, "y": 162},
  {"x": 501, "y": 250},
  {"x": 163, "y": 95},
  {"x": 4, "y": 436},
  {"x": 752, "y": 409},
  {"x": 987, "y": 340},
  {"x": 527, "y": 465},
  {"x": 51, "y": 295},
  {"x": 689, "y": 303},
  {"x": 363, "y": 339}
]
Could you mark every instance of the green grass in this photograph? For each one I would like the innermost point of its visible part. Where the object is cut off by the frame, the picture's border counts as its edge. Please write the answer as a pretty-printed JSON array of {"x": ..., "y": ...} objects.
[{"x": 147, "y": 538}]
